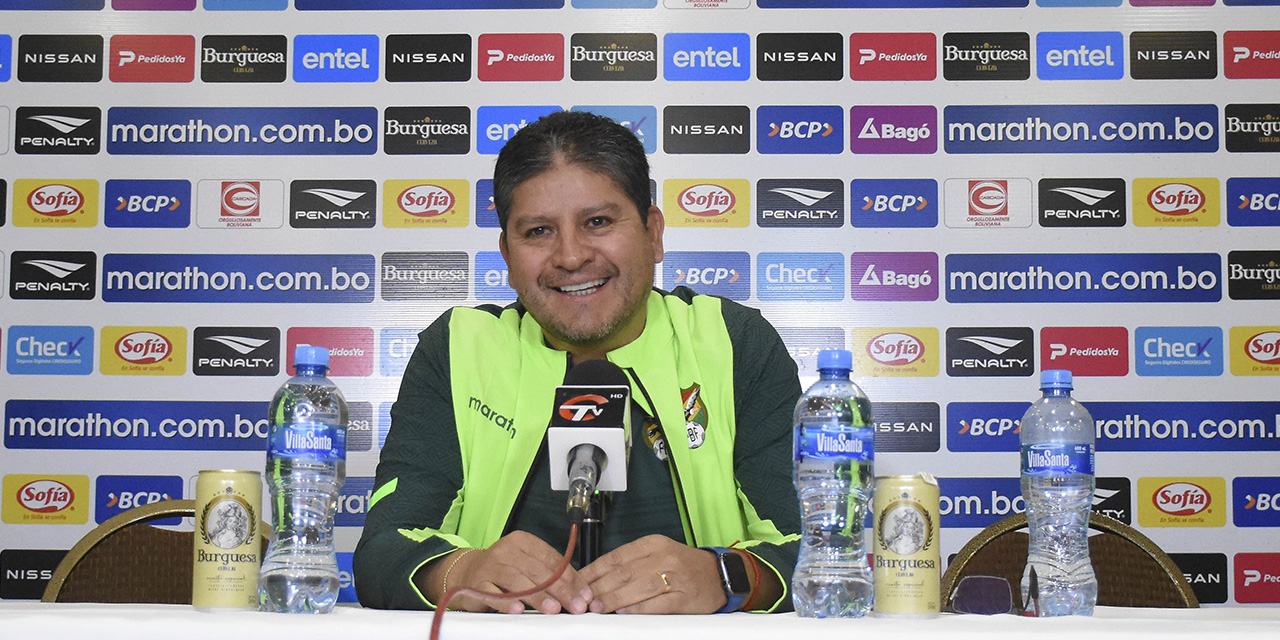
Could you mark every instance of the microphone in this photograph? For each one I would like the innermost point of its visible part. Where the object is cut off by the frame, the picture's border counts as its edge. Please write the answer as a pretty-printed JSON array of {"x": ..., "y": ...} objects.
[{"x": 590, "y": 426}]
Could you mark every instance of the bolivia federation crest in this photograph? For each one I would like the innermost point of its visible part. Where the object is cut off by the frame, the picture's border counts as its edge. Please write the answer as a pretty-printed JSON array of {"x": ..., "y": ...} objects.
[{"x": 695, "y": 415}]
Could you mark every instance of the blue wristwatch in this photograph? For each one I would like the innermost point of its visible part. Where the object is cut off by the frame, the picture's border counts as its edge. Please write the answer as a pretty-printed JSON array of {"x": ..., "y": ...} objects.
[{"x": 733, "y": 577}]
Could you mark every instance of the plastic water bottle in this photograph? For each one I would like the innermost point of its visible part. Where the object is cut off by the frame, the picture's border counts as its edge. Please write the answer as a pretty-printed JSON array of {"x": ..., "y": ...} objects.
[
  {"x": 306, "y": 465},
  {"x": 834, "y": 448},
  {"x": 1057, "y": 485}
]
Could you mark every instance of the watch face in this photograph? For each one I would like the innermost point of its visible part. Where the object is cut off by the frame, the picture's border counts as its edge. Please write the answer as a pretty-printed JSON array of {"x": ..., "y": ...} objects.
[{"x": 734, "y": 570}]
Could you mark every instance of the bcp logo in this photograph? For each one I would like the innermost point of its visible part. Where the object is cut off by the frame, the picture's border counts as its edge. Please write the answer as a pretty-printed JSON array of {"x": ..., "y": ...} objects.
[
  {"x": 707, "y": 203},
  {"x": 143, "y": 351},
  {"x": 350, "y": 348},
  {"x": 907, "y": 276},
  {"x": 520, "y": 57},
  {"x": 1257, "y": 577},
  {"x": 1253, "y": 202},
  {"x": 335, "y": 58},
  {"x": 42, "y": 350},
  {"x": 46, "y": 499},
  {"x": 721, "y": 273},
  {"x": 893, "y": 56},
  {"x": 152, "y": 58},
  {"x": 1086, "y": 351},
  {"x": 148, "y": 204},
  {"x": 55, "y": 203},
  {"x": 1182, "y": 502},
  {"x": 707, "y": 56},
  {"x": 418, "y": 204},
  {"x": 496, "y": 125},
  {"x": 1251, "y": 54},
  {"x": 1176, "y": 202},
  {"x": 1257, "y": 501},
  {"x": 1178, "y": 351},
  {"x": 984, "y": 426},
  {"x": 1255, "y": 351},
  {"x": 895, "y": 352},
  {"x": 907, "y": 129},
  {"x": 117, "y": 494},
  {"x": 800, "y": 276},
  {"x": 894, "y": 203},
  {"x": 988, "y": 203},
  {"x": 800, "y": 129}
]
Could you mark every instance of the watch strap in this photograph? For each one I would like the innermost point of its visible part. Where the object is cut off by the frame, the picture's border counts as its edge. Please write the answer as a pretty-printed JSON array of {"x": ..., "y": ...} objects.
[{"x": 733, "y": 601}]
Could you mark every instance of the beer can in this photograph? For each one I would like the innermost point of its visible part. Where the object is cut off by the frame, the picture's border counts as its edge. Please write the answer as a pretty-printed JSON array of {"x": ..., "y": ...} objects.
[
  {"x": 228, "y": 549},
  {"x": 907, "y": 559}
]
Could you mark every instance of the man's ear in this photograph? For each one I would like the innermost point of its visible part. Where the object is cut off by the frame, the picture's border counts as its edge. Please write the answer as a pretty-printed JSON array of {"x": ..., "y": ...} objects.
[
  {"x": 654, "y": 226},
  {"x": 502, "y": 245}
]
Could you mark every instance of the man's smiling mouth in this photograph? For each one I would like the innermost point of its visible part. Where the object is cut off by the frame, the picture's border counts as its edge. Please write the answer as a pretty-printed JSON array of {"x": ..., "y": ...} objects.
[{"x": 585, "y": 288}]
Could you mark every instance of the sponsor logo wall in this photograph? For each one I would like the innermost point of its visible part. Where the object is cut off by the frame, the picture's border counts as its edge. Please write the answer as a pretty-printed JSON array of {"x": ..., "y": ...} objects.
[{"x": 961, "y": 197}]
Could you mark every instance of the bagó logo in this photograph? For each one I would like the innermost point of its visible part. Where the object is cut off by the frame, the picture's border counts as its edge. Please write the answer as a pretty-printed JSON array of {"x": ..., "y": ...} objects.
[
  {"x": 906, "y": 129},
  {"x": 335, "y": 58},
  {"x": 696, "y": 203},
  {"x": 45, "y": 499},
  {"x": 910, "y": 276},
  {"x": 800, "y": 129},
  {"x": 520, "y": 57},
  {"x": 706, "y": 56},
  {"x": 893, "y": 56},
  {"x": 410, "y": 204}
]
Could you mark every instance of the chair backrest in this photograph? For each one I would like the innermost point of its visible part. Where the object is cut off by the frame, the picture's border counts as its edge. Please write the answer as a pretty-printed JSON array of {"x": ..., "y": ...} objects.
[
  {"x": 1132, "y": 571},
  {"x": 126, "y": 560}
]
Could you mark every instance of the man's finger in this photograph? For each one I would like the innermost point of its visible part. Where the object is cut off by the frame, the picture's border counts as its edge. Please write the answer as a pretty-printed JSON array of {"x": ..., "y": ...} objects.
[{"x": 642, "y": 587}]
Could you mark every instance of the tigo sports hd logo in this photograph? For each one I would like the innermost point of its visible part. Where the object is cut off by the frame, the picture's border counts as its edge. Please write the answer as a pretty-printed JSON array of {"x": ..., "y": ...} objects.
[
  {"x": 335, "y": 58},
  {"x": 799, "y": 276},
  {"x": 58, "y": 131},
  {"x": 143, "y": 351},
  {"x": 117, "y": 494},
  {"x": 893, "y": 56},
  {"x": 1257, "y": 502},
  {"x": 148, "y": 204},
  {"x": 799, "y": 56},
  {"x": 907, "y": 276},
  {"x": 894, "y": 203},
  {"x": 38, "y": 350},
  {"x": 520, "y": 57},
  {"x": 1080, "y": 55},
  {"x": 236, "y": 351},
  {"x": 271, "y": 131},
  {"x": 1255, "y": 351},
  {"x": 1176, "y": 202},
  {"x": 1082, "y": 202},
  {"x": 800, "y": 130},
  {"x": 1121, "y": 128},
  {"x": 1086, "y": 351},
  {"x": 1178, "y": 351},
  {"x": 897, "y": 351},
  {"x": 990, "y": 351},
  {"x": 877, "y": 130},
  {"x": 332, "y": 204},
  {"x": 706, "y": 56},
  {"x": 46, "y": 499},
  {"x": 707, "y": 203},
  {"x": 1182, "y": 502},
  {"x": 1253, "y": 202},
  {"x": 53, "y": 275},
  {"x": 709, "y": 129},
  {"x": 152, "y": 58},
  {"x": 55, "y": 204},
  {"x": 1084, "y": 277},
  {"x": 799, "y": 202},
  {"x": 720, "y": 273},
  {"x": 423, "y": 204}
]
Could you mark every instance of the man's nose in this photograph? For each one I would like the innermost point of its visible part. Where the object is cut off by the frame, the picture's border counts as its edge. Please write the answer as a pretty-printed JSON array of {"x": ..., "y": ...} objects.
[{"x": 573, "y": 250}]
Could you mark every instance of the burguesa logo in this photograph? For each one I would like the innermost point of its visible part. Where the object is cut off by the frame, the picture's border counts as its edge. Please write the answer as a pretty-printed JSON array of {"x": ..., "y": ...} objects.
[
  {"x": 706, "y": 200},
  {"x": 45, "y": 496},
  {"x": 1181, "y": 499},
  {"x": 240, "y": 199},
  {"x": 55, "y": 200},
  {"x": 1264, "y": 347},
  {"x": 895, "y": 349},
  {"x": 426, "y": 200},
  {"x": 1176, "y": 199},
  {"x": 143, "y": 347},
  {"x": 988, "y": 197}
]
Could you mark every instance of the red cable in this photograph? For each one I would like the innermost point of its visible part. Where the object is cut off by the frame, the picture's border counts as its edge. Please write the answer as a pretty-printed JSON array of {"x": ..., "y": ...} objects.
[{"x": 444, "y": 602}]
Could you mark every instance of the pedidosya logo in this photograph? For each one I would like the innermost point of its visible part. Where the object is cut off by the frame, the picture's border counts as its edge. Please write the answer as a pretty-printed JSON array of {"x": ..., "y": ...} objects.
[{"x": 45, "y": 499}]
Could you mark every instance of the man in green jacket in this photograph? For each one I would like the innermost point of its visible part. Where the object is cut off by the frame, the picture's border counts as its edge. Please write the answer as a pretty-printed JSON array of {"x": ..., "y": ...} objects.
[{"x": 462, "y": 496}]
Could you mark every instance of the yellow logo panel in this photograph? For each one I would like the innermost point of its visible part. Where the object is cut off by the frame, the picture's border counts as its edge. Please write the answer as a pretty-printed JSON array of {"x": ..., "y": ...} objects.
[
  {"x": 707, "y": 203},
  {"x": 33, "y": 498},
  {"x": 1182, "y": 502},
  {"x": 896, "y": 351},
  {"x": 1255, "y": 351},
  {"x": 1176, "y": 202},
  {"x": 143, "y": 351},
  {"x": 55, "y": 203},
  {"x": 420, "y": 204}
]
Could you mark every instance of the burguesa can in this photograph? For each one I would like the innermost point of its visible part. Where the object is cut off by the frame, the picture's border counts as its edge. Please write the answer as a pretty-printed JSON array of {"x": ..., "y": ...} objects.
[
  {"x": 228, "y": 548},
  {"x": 907, "y": 560}
]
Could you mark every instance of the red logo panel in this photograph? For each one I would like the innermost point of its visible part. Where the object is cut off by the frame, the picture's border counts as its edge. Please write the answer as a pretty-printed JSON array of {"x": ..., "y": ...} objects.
[
  {"x": 1251, "y": 54},
  {"x": 893, "y": 56},
  {"x": 350, "y": 348},
  {"x": 1257, "y": 577},
  {"x": 1086, "y": 351},
  {"x": 520, "y": 56},
  {"x": 153, "y": 58}
]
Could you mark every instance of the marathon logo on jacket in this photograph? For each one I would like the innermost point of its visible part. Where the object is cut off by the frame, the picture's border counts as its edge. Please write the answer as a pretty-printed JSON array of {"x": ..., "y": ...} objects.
[
  {"x": 63, "y": 351},
  {"x": 1113, "y": 497},
  {"x": 893, "y": 129},
  {"x": 988, "y": 203},
  {"x": 244, "y": 58},
  {"x": 24, "y": 573},
  {"x": 152, "y": 58},
  {"x": 236, "y": 351},
  {"x": 442, "y": 57},
  {"x": 426, "y": 130},
  {"x": 53, "y": 275},
  {"x": 706, "y": 57},
  {"x": 143, "y": 351},
  {"x": 894, "y": 203},
  {"x": 520, "y": 57},
  {"x": 706, "y": 129},
  {"x": 1255, "y": 351},
  {"x": 58, "y": 131},
  {"x": 613, "y": 56},
  {"x": 1173, "y": 55},
  {"x": 440, "y": 275},
  {"x": 60, "y": 58},
  {"x": 990, "y": 351},
  {"x": 804, "y": 343},
  {"x": 1182, "y": 502},
  {"x": 1080, "y": 55},
  {"x": 1086, "y": 351},
  {"x": 55, "y": 204},
  {"x": 907, "y": 276},
  {"x": 642, "y": 120},
  {"x": 350, "y": 348},
  {"x": 791, "y": 57},
  {"x": 117, "y": 494},
  {"x": 335, "y": 58},
  {"x": 986, "y": 56},
  {"x": 799, "y": 202},
  {"x": 148, "y": 204},
  {"x": 419, "y": 204},
  {"x": 907, "y": 427},
  {"x": 707, "y": 203},
  {"x": 1206, "y": 573},
  {"x": 1082, "y": 202},
  {"x": 1251, "y": 54},
  {"x": 45, "y": 499},
  {"x": 240, "y": 204},
  {"x": 1176, "y": 202},
  {"x": 896, "y": 351},
  {"x": 799, "y": 276},
  {"x": 1178, "y": 351},
  {"x": 1257, "y": 501},
  {"x": 893, "y": 56},
  {"x": 800, "y": 129},
  {"x": 1253, "y": 202},
  {"x": 332, "y": 204},
  {"x": 1257, "y": 577},
  {"x": 1253, "y": 275},
  {"x": 1252, "y": 128},
  {"x": 717, "y": 273}
]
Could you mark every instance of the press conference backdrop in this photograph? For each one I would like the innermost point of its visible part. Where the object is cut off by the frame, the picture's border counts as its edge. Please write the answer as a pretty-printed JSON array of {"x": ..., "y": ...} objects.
[{"x": 963, "y": 192}]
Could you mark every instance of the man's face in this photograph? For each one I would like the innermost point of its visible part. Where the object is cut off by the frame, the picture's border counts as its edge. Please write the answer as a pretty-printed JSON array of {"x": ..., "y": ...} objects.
[{"x": 580, "y": 258}]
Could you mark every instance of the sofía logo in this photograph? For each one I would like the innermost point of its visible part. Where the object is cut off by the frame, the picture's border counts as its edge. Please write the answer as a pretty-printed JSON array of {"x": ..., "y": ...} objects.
[
  {"x": 1176, "y": 198},
  {"x": 895, "y": 349},
  {"x": 426, "y": 200},
  {"x": 1181, "y": 499},
  {"x": 706, "y": 200},
  {"x": 55, "y": 200},
  {"x": 45, "y": 496},
  {"x": 143, "y": 347},
  {"x": 1264, "y": 347}
]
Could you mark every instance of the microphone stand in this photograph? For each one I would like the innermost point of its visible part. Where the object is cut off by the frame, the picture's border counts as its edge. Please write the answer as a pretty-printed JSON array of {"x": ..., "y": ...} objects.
[{"x": 591, "y": 533}]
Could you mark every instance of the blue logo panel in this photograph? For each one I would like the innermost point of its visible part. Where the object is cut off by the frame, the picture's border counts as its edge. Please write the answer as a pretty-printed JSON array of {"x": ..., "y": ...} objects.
[
  {"x": 984, "y": 426},
  {"x": 1186, "y": 426},
  {"x": 491, "y": 277},
  {"x": 116, "y": 494},
  {"x": 397, "y": 344},
  {"x": 148, "y": 204},
  {"x": 1084, "y": 277},
  {"x": 892, "y": 203},
  {"x": 496, "y": 125},
  {"x": 346, "y": 579},
  {"x": 173, "y": 277},
  {"x": 800, "y": 129},
  {"x": 6, "y": 57},
  {"x": 719, "y": 273},
  {"x": 410, "y": 5},
  {"x": 486, "y": 213},
  {"x": 1253, "y": 202},
  {"x": 641, "y": 120},
  {"x": 353, "y": 502},
  {"x": 706, "y": 56},
  {"x": 800, "y": 276},
  {"x": 335, "y": 58},
  {"x": 229, "y": 131},
  {"x": 384, "y": 422},
  {"x": 1177, "y": 351},
  {"x": 135, "y": 424},
  {"x": 1083, "y": 128},
  {"x": 246, "y": 5},
  {"x": 1257, "y": 502},
  {"x": 978, "y": 502},
  {"x": 1080, "y": 55},
  {"x": 64, "y": 351}
]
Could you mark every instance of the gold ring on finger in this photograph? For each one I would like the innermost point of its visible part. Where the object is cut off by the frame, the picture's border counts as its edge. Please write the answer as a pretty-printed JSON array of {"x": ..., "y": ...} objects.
[{"x": 666, "y": 583}]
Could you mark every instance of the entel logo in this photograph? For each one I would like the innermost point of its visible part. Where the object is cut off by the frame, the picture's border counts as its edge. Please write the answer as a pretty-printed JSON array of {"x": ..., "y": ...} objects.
[
  {"x": 706, "y": 200},
  {"x": 240, "y": 199},
  {"x": 55, "y": 200},
  {"x": 143, "y": 347},
  {"x": 45, "y": 496},
  {"x": 1176, "y": 198},
  {"x": 426, "y": 200},
  {"x": 1181, "y": 499},
  {"x": 895, "y": 349},
  {"x": 989, "y": 197},
  {"x": 583, "y": 408},
  {"x": 1264, "y": 347}
]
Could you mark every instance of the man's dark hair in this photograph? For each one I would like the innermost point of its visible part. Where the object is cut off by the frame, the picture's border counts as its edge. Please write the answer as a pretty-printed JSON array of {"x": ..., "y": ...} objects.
[{"x": 592, "y": 142}]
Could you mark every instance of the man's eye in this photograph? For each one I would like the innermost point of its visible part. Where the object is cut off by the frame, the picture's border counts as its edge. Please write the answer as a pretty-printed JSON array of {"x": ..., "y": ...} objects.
[
  {"x": 535, "y": 232},
  {"x": 597, "y": 221}
]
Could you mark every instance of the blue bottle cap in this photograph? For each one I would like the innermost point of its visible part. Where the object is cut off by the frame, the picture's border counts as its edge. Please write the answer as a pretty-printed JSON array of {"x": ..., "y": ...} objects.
[
  {"x": 1055, "y": 379},
  {"x": 835, "y": 359},
  {"x": 306, "y": 354}
]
